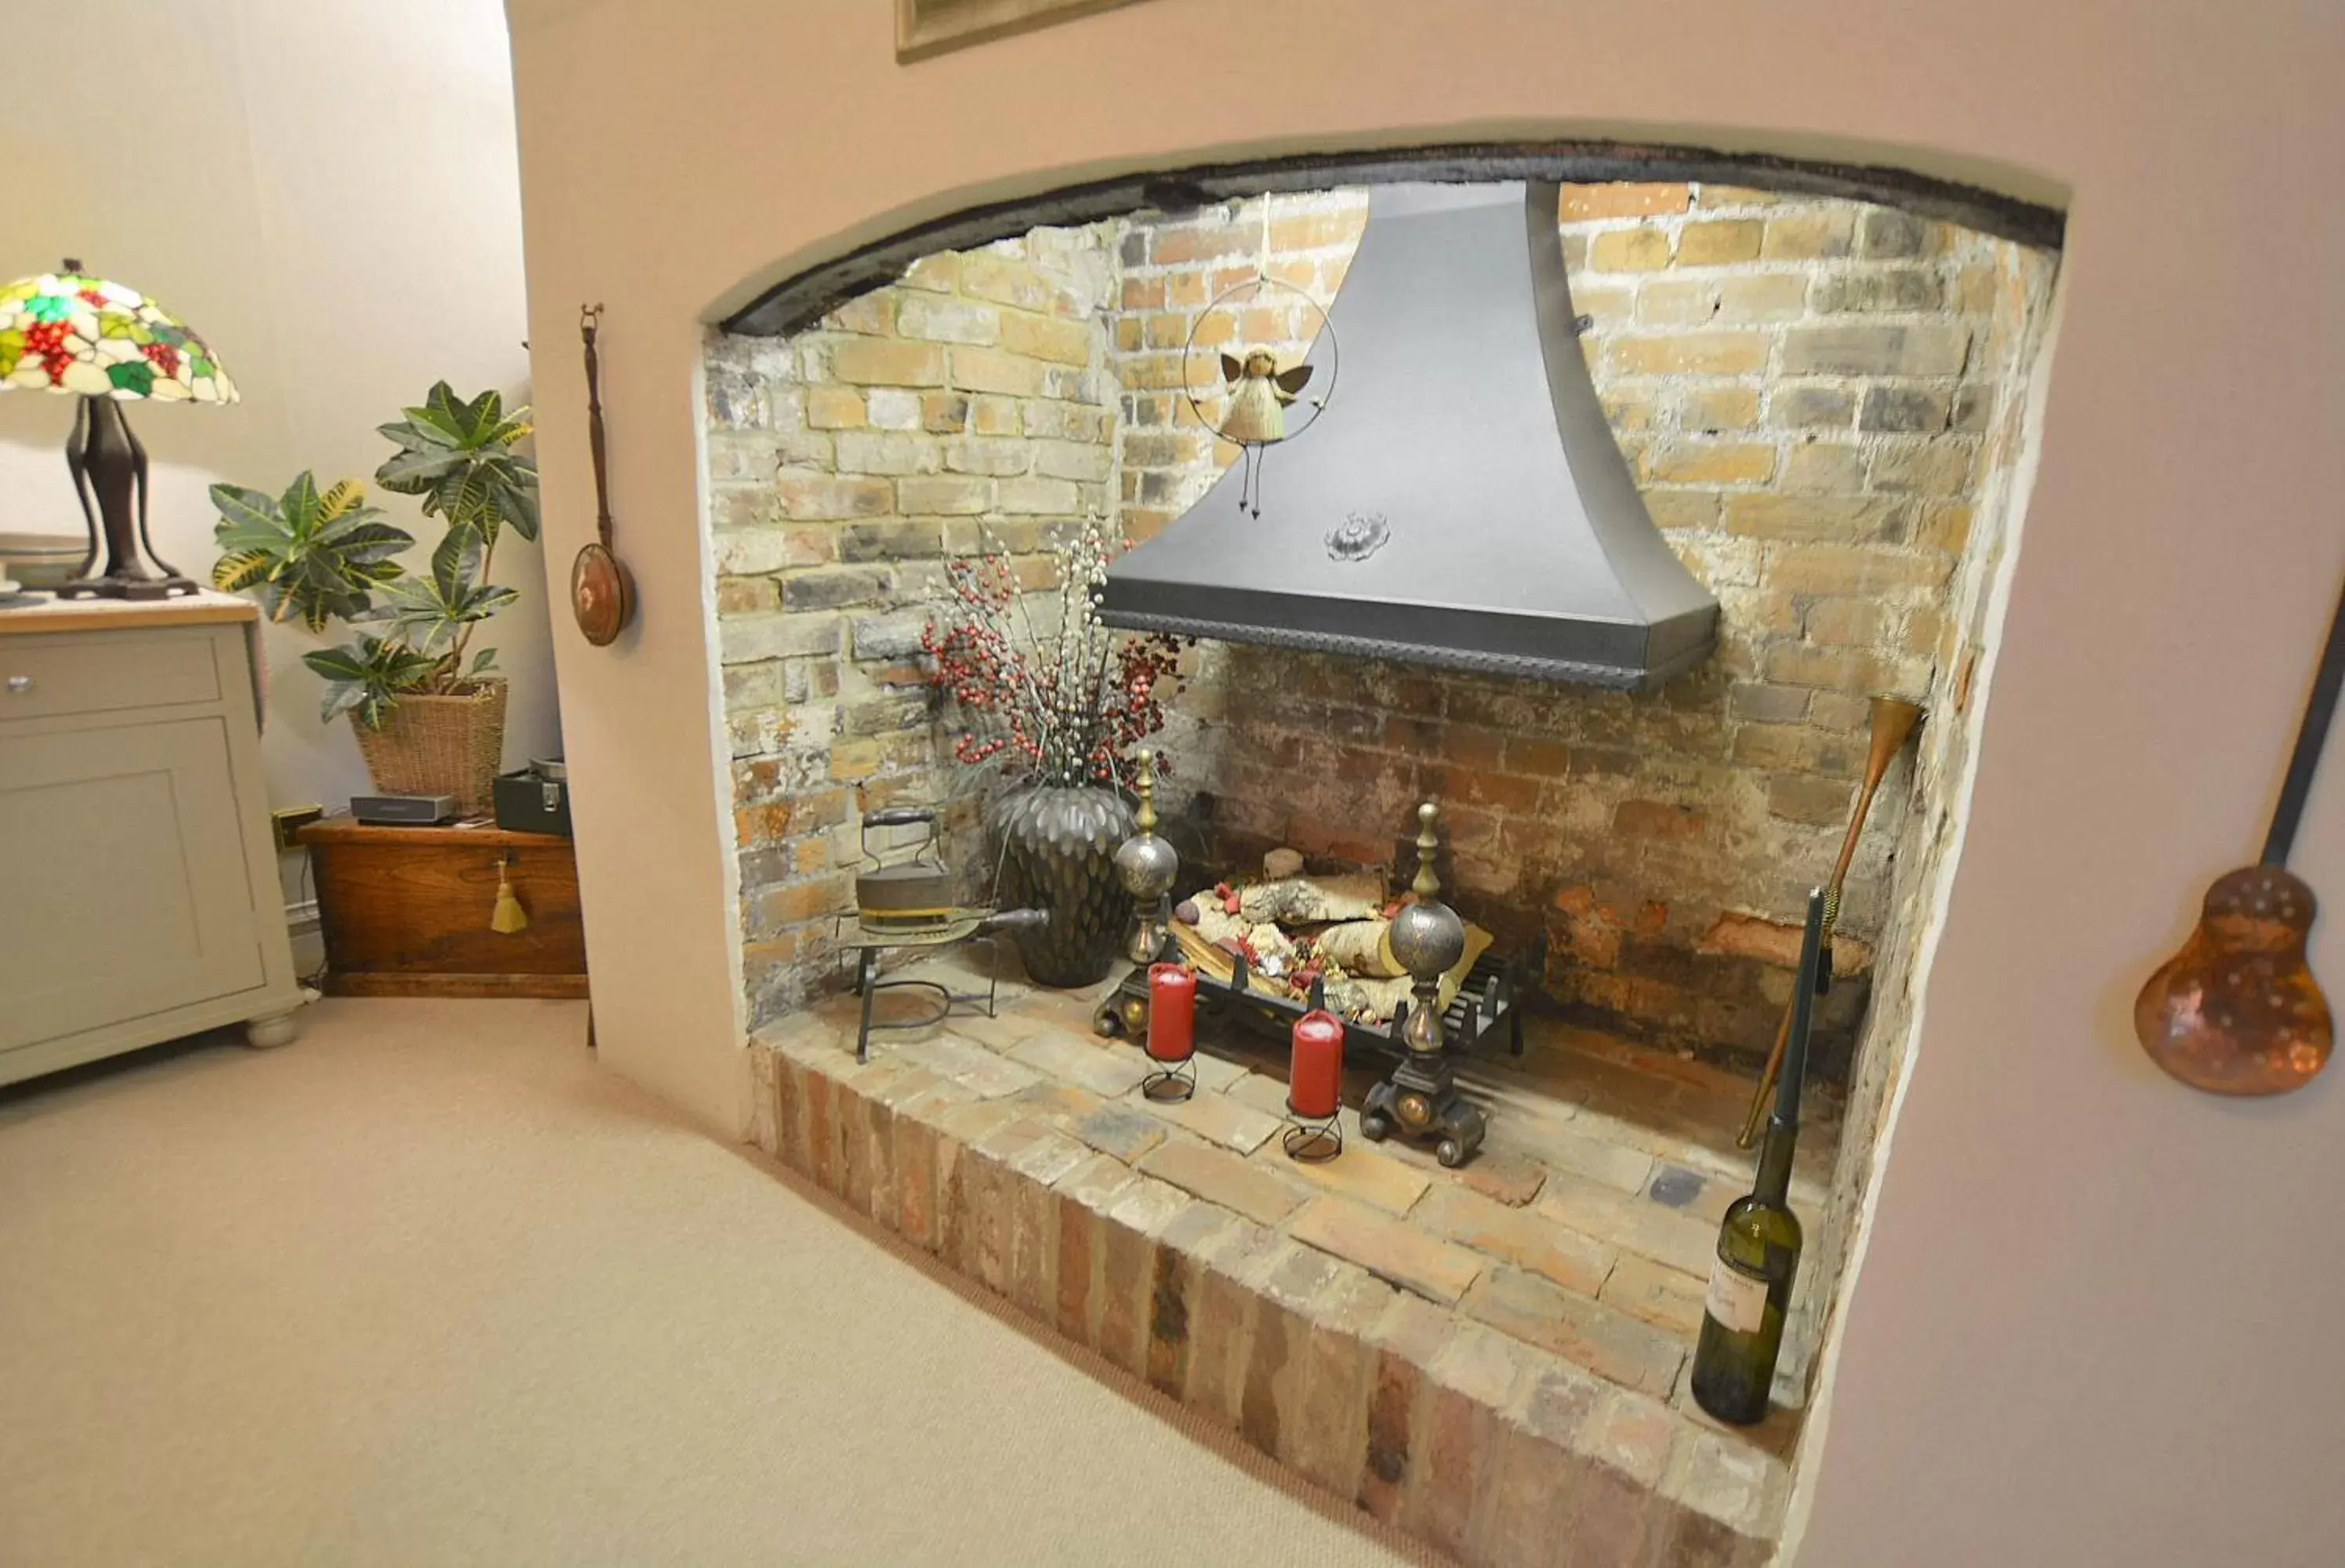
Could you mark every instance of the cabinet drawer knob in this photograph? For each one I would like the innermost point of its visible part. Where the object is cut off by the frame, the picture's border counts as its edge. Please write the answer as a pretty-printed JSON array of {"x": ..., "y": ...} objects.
[{"x": 20, "y": 682}]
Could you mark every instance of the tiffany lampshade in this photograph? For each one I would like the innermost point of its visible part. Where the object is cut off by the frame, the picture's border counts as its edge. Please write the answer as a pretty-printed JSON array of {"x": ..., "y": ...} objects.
[{"x": 67, "y": 331}]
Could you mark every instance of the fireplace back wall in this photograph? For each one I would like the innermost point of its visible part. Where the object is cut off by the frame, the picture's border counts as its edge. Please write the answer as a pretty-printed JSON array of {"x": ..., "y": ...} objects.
[{"x": 1804, "y": 388}]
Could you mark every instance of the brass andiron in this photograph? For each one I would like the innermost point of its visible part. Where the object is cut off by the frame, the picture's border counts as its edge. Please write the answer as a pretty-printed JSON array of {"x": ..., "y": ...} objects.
[
  {"x": 2237, "y": 1011},
  {"x": 1894, "y": 719},
  {"x": 1146, "y": 866},
  {"x": 1421, "y": 1098}
]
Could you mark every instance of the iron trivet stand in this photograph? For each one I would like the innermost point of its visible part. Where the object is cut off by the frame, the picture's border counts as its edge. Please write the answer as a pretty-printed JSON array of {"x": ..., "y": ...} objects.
[{"x": 902, "y": 901}]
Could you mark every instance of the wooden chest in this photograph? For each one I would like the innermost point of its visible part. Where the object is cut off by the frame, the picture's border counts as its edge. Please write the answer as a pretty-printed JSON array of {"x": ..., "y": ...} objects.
[{"x": 405, "y": 911}]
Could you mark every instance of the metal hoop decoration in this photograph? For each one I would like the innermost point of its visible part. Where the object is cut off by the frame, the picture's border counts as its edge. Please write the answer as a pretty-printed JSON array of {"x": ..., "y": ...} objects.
[{"x": 1323, "y": 332}]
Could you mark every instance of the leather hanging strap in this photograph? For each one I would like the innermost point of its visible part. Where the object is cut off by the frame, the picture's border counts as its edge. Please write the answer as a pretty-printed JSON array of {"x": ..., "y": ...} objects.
[{"x": 589, "y": 320}]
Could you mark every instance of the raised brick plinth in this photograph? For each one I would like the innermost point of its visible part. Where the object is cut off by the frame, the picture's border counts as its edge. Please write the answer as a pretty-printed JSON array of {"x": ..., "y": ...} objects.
[{"x": 1404, "y": 1340}]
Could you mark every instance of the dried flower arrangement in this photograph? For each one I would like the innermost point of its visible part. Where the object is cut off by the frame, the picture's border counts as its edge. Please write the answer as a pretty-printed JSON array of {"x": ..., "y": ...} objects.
[{"x": 1066, "y": 703}]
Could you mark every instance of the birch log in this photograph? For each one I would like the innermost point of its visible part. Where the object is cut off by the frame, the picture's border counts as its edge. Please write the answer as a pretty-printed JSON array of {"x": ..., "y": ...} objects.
[
  {"x": 1364, "y": 947},
  {"x": 1314, "y": 900}
]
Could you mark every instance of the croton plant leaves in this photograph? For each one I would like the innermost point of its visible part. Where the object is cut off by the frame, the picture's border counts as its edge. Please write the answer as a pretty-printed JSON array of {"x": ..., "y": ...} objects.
[
  {"x": 309, "y": 555},
  {"x": 366, "y": 677},
  {"x": 458, "y": 457}
]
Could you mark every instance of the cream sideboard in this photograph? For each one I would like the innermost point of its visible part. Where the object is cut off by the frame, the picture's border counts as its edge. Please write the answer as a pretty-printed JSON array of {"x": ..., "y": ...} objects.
[{"x": 138, "y": 892}]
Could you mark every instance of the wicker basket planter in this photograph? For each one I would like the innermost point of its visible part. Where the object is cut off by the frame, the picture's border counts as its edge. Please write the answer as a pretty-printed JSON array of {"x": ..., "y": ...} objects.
[{"x": 440, "y": 745}]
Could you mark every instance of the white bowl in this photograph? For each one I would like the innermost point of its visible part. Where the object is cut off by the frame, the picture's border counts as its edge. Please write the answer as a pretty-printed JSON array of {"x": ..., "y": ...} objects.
[
  {"x": 41, "y": 560},
  {"x": 19, "y": 543}
]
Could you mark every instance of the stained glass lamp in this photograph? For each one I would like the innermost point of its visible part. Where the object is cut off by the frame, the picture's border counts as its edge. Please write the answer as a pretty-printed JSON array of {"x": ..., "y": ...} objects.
[{"x": 67, "y": 331}]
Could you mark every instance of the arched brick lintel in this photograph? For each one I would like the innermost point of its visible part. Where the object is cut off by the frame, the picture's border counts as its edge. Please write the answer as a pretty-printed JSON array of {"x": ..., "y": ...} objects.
[{"x": 798, "y": 302}]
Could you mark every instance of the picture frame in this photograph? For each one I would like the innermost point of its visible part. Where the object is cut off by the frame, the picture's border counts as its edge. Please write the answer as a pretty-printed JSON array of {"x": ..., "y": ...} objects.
[{"x": 930, "y": 27}]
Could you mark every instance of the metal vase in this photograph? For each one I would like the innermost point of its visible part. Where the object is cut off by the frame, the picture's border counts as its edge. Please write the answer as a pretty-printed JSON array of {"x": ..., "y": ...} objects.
[{"x": 1062, "y": 842}]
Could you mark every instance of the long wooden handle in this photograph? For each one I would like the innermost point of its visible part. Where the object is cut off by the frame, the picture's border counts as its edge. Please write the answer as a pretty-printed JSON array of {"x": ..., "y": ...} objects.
[
  {"x": 1753, "y": 1118},
  {"x": 1761, "y": 1097},
  {"x": 589, "y": 320},
  {"x": 1839, "y": 877},
  {"x": 1893, "y": 721},
  {"x": 2309, "y": 738}
]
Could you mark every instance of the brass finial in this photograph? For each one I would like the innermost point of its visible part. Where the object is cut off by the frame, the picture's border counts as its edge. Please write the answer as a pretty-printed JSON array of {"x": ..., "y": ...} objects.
[
  {"x": 1427, "y": 884},
  {"x": 1147, "y": 819}
]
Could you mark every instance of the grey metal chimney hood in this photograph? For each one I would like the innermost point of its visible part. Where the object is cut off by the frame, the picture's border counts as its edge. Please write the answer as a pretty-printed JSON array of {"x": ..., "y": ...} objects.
[{"x": 1465, "y": 432}]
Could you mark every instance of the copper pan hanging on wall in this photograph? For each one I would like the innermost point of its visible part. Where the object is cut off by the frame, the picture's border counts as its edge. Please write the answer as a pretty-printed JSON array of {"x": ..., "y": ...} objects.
[
  {"x": 2237, "y": 1011},
  {"x": 602, "y": 592}
]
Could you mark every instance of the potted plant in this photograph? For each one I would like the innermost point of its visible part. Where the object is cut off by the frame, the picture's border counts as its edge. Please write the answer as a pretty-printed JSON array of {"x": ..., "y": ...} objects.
[
  {"x": 429, "y": 719},
  {"x": 307, "y": 556},
  {"x": 1063, "y": 707}
]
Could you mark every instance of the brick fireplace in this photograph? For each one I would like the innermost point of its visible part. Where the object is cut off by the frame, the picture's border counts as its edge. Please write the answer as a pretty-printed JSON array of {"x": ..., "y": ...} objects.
[
  {"x": 1820, "y": 398},
  {"x": 1808, "y": 390}
]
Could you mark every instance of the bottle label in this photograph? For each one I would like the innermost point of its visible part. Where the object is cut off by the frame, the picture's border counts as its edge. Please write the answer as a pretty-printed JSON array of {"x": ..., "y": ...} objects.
[{"x": 1737, "y": 1300}]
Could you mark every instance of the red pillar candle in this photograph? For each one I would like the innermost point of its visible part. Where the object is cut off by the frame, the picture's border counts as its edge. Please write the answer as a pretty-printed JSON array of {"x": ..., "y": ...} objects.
[
  {"x": 1315, "y": 1078},
  {"x": 1172, "y": 1012}
]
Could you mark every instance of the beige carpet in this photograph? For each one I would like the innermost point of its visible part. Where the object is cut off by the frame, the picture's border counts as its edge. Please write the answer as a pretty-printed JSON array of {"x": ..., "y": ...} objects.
[{"x": 427, "y": 1287}]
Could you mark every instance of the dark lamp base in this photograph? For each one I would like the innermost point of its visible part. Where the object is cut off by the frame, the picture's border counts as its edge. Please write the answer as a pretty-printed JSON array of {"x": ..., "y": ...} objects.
[
  {"x": 109, "y": 472},
  {"x": 126, "y": 587}
]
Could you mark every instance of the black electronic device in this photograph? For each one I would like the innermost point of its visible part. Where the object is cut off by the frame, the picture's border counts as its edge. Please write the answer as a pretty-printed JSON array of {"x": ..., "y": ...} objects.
[
  {"x": 534, "y": 799},
  {"x": 404, "y": 810}
]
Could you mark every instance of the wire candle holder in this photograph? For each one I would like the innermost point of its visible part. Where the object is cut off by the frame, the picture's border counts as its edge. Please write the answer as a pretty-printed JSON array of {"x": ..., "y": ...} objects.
[
  {"x": 1312, "y": 1139},
  {"x": 1171, "y": 1084}
]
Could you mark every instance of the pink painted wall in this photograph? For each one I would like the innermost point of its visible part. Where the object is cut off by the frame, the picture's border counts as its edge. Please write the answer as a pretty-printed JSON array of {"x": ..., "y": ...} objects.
[{"x": 2095, "y": 1320}]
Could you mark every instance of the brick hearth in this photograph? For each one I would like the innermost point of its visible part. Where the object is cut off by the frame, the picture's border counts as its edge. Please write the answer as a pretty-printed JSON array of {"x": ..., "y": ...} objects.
[{"x": 1493, "y": 1359}]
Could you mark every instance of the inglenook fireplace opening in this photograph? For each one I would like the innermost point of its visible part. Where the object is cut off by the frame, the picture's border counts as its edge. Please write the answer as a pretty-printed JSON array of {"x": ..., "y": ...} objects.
[{"x": 1815, "y": 378}]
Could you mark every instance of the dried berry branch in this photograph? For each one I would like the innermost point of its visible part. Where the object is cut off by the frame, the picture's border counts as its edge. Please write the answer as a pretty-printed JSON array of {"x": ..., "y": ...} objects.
[{"x": 1067, "y": 706}]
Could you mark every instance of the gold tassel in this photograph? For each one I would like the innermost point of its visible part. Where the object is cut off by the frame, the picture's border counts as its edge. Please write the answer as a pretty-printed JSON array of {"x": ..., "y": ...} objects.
[{"x": 510, "y": 916}]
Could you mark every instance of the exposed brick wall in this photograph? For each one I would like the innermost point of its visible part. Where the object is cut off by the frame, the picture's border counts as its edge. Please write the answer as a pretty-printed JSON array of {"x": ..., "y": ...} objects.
[
  {"x": 973, "y": 399},
  {"x": 2022, "y": 286},
  {"x": 1802, "y": 387}
]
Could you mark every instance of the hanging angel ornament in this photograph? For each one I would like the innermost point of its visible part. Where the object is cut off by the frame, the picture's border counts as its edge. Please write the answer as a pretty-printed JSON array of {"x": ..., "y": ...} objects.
[
  {"x": 1283, "y": 342},
  {"x": 1259, "y": 393}
]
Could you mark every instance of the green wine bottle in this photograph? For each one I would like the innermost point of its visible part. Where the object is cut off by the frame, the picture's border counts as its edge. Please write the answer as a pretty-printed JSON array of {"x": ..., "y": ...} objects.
[{"x": 1759, "y": 1241}]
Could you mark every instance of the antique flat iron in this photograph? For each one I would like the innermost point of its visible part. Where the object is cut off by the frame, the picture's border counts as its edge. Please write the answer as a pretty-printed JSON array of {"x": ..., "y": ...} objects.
[{"x": 905, "y": 888}]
